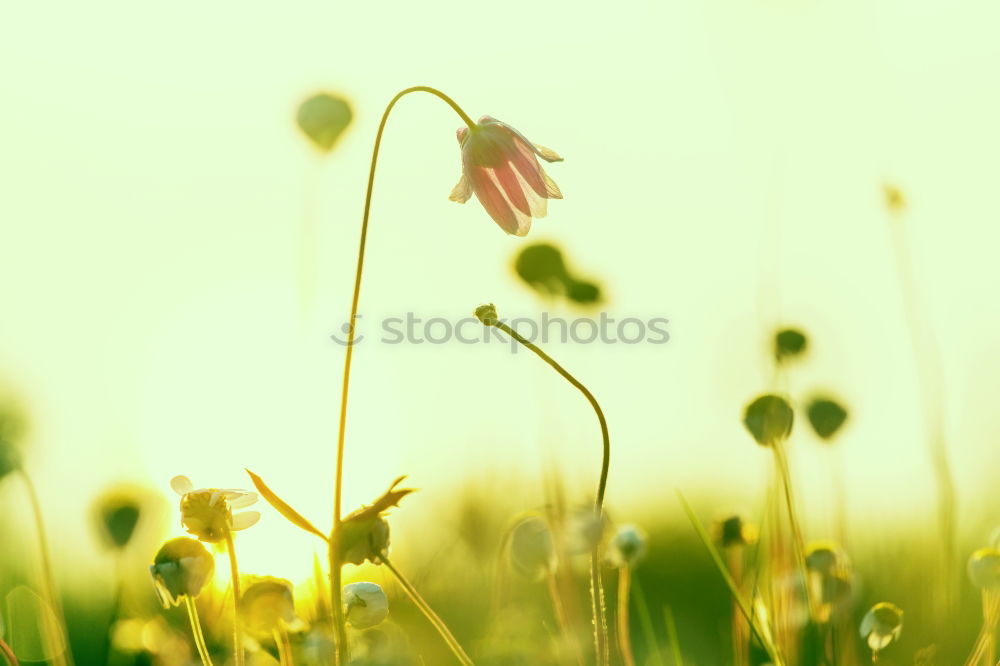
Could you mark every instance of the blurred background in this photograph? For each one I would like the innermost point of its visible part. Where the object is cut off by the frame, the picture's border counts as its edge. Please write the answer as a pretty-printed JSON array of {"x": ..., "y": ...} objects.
[{"x": 176, "y": 256}]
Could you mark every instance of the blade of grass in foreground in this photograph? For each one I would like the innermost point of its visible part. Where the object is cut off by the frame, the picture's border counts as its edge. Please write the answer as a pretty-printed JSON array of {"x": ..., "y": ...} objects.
[
  {"x": 762, "y": 635},
  {"x": 675, "y": 641}
]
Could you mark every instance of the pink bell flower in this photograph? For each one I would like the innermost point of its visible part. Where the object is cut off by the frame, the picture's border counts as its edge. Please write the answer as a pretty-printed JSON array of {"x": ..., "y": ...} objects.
[{"x": 501, "y": 168}]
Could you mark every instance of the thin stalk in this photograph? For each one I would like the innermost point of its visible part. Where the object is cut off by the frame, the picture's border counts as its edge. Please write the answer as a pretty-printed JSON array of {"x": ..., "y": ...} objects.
[
  {"x": 596, "y": 588},
  {"x": 48, "y": 580},
  {"x": 334, "y": 555},
  {"x": 559, "y": 609},
  {"x": 196, "y": 632},
  {"x": 624, "y": 635},
  {"x": 8, "y": 654},
  {"x": 927, "y": 359},
  {"x": 741, "y": 633},
  {"x": 284, "y": 646},
  {"x": 237, "y": 623},
  {"x": 798, "y": 541},
  {"x": 116, "y": 605},
  {"x": 429, "y": 613}
]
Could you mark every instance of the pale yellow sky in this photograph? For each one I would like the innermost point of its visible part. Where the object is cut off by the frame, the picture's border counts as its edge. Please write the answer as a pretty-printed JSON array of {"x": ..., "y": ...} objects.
[{"x": 723, "y": 169}]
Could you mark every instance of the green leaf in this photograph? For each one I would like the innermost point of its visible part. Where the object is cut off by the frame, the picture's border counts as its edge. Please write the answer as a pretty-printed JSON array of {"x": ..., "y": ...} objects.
[
  {"x": 283, "y": 508},
  {"x": 323, "y": 118}
]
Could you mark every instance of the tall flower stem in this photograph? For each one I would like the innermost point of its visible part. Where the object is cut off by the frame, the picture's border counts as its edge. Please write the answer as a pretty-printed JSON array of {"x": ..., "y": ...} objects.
[
  {"x": 334, "y": 554},
  {"x": 488, "y": 315},
  {"x": 284, "y": 646},
  {"x": 930, "y": 374},
  {"x": 624, "y": 635},
  {"x": 798, "y": 541},
  {"x": 48, "y": 580},
  {"x": 196, "y": 632},
  {"x": 429, "y": 613},
  {"x": 238, "y": 654}
]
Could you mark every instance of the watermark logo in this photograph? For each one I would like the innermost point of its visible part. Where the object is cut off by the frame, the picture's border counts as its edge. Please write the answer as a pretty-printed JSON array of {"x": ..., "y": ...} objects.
[{"x": 603, "y": 329}]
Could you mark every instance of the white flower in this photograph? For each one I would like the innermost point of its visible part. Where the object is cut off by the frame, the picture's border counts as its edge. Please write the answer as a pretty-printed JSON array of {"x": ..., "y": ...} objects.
[
  {"x": 365, "y": 605},
  {"x": 207, "y": 513}
]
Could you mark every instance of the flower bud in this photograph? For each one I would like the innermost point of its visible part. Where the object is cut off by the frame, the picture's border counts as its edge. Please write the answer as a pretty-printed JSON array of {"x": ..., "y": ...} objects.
[
  {"x": 882, "y": 625},
  {"x": 532, "y": 552},
  {"x": 487, "y": 314},
  {"x": 769, "y": 419},
  {"x": 365, "y": 605},
  {"x": 984, "y": 568},
  {"x": 627, "y": 547},
  {"x": 181, "y": 568},
  {"x": 362, "y": 540}
]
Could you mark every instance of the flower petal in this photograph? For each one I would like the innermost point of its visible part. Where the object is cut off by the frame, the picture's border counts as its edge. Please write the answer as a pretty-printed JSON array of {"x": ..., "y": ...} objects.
[
  {"x": 241, "y": 521},
  {"x": 511, "y": 184},
  {"x": 241, "y": 499},
  {"x": 462, "y": 191},
  {"x": 181, "y": 485},
  {"x": 546, "y": 154},
  {"x": 552, "y": 190},
  {"x": 493, "y": 200}
]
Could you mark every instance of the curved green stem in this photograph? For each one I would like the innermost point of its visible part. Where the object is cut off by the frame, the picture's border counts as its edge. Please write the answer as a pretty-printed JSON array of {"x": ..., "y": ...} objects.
[
  {"x": 596, "y": 587},
  {"x": 238, "y": 654},
  {"x": 429, "y": 613},
  {"x": 196, "y": 632},
  {"x": 334, "y": 557}
]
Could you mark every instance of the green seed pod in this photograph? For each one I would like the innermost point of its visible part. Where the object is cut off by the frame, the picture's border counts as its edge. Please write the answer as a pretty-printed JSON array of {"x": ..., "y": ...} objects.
[
  {"x": 769, "y": 419},
  {"x": 487, "y": 314},
  {"x": 882, "y": 625},
  {"x": 117, "y": 514},
  {"x": 181, "y": 568},
  {"x": 789, "y": 343},
  {"x": 826, "y": 417},
  {"x": 323, "y": 118},
  {"x": 984, "y": 568}
]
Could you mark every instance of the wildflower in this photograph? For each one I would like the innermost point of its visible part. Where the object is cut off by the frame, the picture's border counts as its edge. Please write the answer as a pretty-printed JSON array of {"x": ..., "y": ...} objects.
[
  {"x": 829, "y": 578},
  {"x": 208, "y": 513},
  {"x": 500, "y": 166},
  {"x": 769, "y": 419},
  {"x": 365, "y": 605},
  {"x": 364, "y": 534},
  {"x": 628, "y": 546},
  {"x": 268, "y": 605},
  {"x": 532, "y": 551},
  {"x": 487, "y": 314},
  {"x": 882, "y": 625},
  {"x": 984, "y": 568},
  {"x": 181, "y": 568}
]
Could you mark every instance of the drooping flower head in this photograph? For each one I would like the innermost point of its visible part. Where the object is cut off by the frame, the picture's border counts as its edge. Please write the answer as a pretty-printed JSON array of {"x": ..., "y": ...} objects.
[
  {"x": 208, "y": 513},
  {"x": 500, "y": 166},
  {"x": 181, "y": 568},
  {"x": 267, "y": 605},
  {"x": 627, "y": 546}
]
